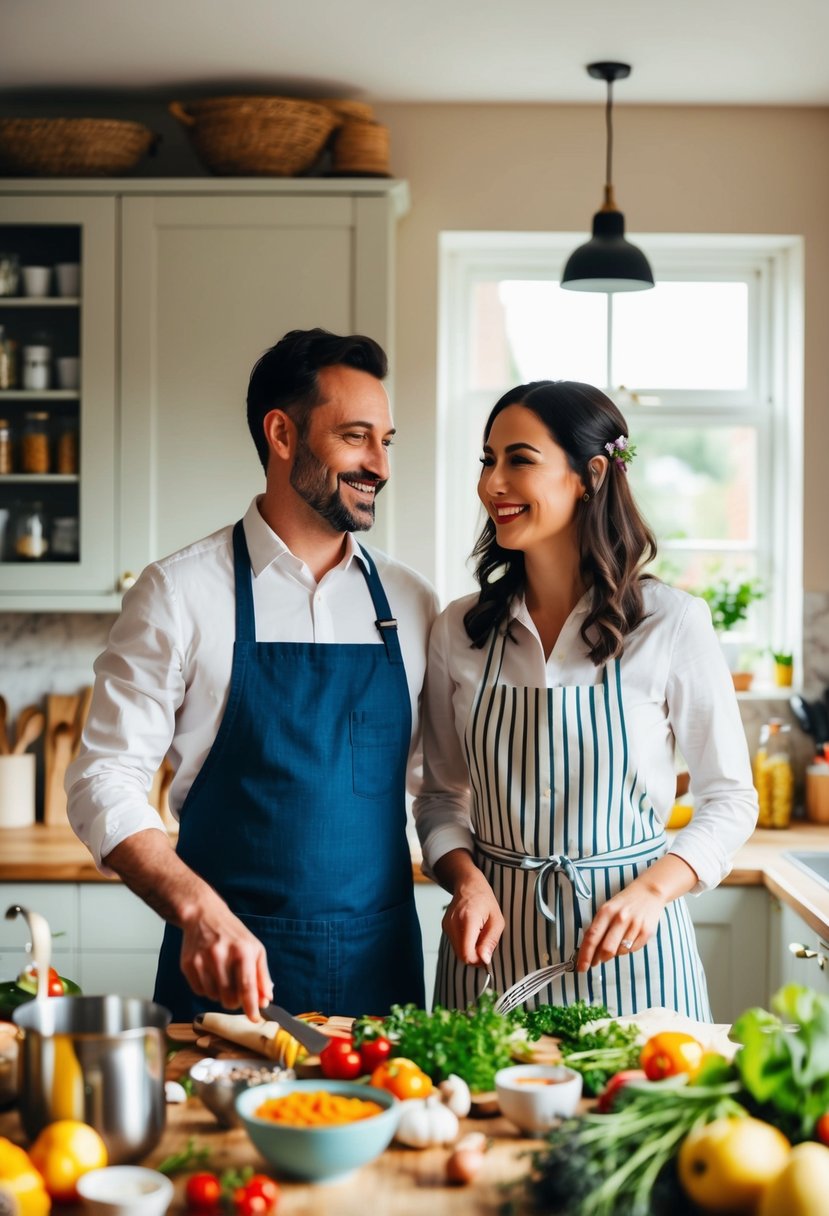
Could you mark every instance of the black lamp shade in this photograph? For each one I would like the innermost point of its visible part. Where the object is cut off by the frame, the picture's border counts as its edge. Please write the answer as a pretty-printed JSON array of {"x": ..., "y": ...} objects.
[{"x": 607, "y": 262}]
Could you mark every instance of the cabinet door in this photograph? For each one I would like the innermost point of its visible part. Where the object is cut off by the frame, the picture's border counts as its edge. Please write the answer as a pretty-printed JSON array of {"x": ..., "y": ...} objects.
[
  {"x": 208, "y": 285},
  {"x": 810, "y": 969},
  {"x": 74, "y": 229},
  {"x": 732, "y": 930}
]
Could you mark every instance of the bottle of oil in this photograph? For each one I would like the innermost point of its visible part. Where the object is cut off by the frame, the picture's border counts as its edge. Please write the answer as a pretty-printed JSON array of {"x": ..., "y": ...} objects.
[{"x": 773, "y": 775}]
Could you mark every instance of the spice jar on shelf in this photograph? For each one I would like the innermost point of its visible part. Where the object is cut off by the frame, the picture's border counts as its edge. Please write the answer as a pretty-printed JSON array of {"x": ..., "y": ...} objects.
[
  {"x": 37, "y": 368},
  {"x": 30, "y": 532},
  {"x": 66, "y": 448},
  {"x": 6, "y": 461},
  {"x": 8, "y": 360},
  {"x": 34, "y": 443},
  {"x": 774, "y": 776}
]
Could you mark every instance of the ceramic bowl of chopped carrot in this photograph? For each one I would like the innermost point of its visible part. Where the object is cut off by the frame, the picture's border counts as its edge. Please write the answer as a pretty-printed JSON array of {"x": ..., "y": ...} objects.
[{"x": 318, "y": 1130}]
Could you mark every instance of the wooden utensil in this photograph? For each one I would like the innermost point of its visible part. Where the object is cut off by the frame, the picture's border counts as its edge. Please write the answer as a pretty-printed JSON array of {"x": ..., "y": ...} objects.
[
  {"x": 28, "y": 731},
  {"x": 84, "y": 701},
  {"x": 23, "y": 717},
  {"x": 4, "y": 738}
]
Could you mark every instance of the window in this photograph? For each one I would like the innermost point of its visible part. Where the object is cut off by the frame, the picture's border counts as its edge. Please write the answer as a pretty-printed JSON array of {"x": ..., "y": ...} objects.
[{"x": 706, "y": 368}]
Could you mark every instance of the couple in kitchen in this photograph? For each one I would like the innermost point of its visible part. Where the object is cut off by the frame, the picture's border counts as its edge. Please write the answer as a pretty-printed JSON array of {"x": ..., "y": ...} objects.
[{"x": 284, "y": 668}]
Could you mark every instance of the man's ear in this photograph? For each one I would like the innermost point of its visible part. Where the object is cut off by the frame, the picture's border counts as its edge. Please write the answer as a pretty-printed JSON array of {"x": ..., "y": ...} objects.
[
  {"x": 281, "y": 434},
  {"x": 597, "y": 468}
]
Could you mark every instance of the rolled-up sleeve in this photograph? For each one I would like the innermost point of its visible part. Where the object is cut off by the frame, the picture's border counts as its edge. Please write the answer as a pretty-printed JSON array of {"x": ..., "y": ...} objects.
[
  {"x": 705, "y": 719},
  {"x": 441, "y": 812},
  {"x": 139, "y": 685}
]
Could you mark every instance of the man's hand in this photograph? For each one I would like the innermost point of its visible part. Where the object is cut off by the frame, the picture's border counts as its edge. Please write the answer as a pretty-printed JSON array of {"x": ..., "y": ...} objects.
[
  {"x": 473, "y": 922},
  {"x": 220, "y": 958}
]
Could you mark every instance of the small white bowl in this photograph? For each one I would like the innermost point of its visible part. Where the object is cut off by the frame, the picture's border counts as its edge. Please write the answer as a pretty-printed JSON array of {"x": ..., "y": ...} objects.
[
  {"x": 537, "y": 1096},
  {"x": 126, "y": 1190}
]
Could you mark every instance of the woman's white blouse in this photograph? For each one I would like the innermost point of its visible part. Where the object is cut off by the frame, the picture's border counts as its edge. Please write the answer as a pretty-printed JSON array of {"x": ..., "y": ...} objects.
[{"x": 677, "y": 693}]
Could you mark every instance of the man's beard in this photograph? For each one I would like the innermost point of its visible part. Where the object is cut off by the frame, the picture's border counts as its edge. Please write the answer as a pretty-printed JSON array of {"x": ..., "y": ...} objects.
[{"x": 310, "y": 478}]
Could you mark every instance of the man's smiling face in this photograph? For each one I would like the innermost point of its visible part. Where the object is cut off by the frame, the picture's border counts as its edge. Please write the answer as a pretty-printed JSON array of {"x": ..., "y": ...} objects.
[{"x": 342, "y": 460}]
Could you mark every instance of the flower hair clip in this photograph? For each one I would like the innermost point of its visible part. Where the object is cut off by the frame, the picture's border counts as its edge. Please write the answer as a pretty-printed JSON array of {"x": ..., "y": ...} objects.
[{"x": 621, "y": 451}]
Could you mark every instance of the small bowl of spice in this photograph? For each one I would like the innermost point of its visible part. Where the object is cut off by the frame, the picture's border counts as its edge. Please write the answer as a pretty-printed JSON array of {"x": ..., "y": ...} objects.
[
  {"x": 537, "y": 1096},
  {"x": 219, "y": 1082}
]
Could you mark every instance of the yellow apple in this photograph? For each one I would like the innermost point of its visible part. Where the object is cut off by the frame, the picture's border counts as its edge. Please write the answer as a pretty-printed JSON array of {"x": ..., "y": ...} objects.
[{"x": 726, "y": 1165}]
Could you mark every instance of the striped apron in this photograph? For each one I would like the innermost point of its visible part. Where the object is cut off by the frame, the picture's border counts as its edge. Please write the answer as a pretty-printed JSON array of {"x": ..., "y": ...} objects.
[{"x": 562, "y": 822}]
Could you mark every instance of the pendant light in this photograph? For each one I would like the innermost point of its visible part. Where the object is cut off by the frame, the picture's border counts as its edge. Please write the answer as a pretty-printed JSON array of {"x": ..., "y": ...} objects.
[{"x": 607, "y": 262}]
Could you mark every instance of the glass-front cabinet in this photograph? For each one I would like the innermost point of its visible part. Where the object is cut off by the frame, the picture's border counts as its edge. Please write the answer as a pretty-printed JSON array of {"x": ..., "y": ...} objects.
[{"x": 57, "y": 392}]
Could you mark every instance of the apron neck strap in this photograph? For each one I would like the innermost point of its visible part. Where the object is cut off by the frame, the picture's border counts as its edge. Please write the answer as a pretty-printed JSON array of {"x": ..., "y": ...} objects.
[
  {"x": 385, "y": 622},
  {"x": 243, "y": 578}
]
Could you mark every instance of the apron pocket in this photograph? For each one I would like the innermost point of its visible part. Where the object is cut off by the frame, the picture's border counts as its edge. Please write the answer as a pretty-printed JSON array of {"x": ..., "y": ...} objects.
[{"x": 375, "y": 753}]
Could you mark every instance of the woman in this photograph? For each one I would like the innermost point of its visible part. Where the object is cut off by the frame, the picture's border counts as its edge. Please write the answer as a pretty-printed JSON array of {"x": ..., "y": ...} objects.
[{"x": 554, "y": 701}]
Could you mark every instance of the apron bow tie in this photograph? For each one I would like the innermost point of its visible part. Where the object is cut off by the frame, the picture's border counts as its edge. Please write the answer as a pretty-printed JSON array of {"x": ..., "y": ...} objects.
[{"x": 557, "y": 863}]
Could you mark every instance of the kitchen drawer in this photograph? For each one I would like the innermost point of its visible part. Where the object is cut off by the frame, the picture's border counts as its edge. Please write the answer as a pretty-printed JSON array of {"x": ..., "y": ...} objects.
[
  {"x": 119, "y": 972},
  {"x": 57, "y": 901},
  {"x": 111, "y": 917}
]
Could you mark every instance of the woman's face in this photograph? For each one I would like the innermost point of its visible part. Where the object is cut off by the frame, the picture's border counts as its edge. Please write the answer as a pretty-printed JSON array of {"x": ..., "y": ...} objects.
[{"x": 526, "y": 485}]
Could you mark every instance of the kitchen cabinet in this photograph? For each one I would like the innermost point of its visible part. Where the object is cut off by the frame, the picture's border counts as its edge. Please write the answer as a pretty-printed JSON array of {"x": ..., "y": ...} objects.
[
  {"x": 184, "y": 285},
  {"x": 811, "y": 966}
]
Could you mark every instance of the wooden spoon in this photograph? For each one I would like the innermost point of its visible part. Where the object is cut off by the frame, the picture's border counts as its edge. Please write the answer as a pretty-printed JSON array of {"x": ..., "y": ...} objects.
[
  {"x": 4, "y": 738},
  {"x": 28, "y": 731}
]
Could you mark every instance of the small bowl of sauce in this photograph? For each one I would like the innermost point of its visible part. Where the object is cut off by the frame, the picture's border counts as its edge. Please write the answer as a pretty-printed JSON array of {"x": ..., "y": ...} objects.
[{"x": 537, "y": 1096}]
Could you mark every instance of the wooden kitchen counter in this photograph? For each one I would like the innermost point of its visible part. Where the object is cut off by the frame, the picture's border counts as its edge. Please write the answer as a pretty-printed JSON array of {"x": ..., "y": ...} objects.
[
  {"x": 49, "y": 854},
  {"x": 401, "y": 1182}
]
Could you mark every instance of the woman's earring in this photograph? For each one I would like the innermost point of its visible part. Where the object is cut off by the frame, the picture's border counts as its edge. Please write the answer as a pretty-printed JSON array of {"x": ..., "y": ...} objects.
[{"x": 585, "y": 497}]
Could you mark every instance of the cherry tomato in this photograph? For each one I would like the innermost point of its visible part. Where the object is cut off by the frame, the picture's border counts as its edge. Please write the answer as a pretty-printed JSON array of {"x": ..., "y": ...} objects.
[
  {"x": 375, "y": 1052},
  {"x": 618, "y": 1081},
  {"x": 55, "y": 983},
  {"x": 670, "y": 1053},
  {"x": 402, "y": 1078},
  {"x": 203, "y": 1192},
  {"x": 339, "y": 1061},
  {"x": 822, "y": 1129},
  {"x": 258, "y": 1197}
]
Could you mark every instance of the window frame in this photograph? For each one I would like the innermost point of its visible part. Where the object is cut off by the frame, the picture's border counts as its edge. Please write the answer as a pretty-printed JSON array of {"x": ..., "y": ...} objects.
[{"x": 772, "y": 401}]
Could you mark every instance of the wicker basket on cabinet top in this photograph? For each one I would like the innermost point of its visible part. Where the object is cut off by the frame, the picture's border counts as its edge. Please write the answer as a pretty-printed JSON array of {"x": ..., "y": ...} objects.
[
  {"x": 258, "y": 136},
  {"x": 360, "y": 149},
  {"x": 72, "y": 147}
]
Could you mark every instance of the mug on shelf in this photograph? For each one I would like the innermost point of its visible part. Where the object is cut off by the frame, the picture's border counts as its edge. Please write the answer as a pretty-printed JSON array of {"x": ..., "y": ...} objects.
[
  {"x": 36, "y": 280},
  {"x": 68, "y": 275},
  {"x": 69, "y": 372}
]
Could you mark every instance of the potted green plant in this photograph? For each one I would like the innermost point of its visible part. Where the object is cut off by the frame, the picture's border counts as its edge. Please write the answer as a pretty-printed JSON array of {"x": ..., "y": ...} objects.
[
  {"x": 783, "y": 668},
  {"x": 730, "y": 601}
]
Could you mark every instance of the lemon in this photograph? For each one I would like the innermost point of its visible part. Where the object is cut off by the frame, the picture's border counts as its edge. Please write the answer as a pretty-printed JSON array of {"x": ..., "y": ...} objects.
[
  {"x": 680, "y": 816},
  {"x": 63, "y": 1152},
  {"x": 802, "y": 1186},
  {"x": 726, "y": 1165}
]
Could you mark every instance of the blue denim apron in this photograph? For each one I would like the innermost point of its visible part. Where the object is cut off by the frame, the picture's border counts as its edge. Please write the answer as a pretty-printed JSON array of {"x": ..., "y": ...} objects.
[{"x": 297, "y": 817}]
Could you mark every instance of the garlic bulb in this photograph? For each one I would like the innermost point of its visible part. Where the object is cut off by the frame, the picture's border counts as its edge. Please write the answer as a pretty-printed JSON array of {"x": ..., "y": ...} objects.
[
  {"x": 456, "y": 1095},
  {"x": 426, "y": 1121}
]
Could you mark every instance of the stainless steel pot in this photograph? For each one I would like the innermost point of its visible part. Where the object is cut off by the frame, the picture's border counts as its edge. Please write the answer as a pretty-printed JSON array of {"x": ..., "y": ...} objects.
[{"x": 99, "y": 1059}]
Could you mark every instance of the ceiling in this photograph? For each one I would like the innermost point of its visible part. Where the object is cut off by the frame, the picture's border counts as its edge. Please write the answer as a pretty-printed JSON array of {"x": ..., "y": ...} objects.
[{"x": 697, "y": 52}]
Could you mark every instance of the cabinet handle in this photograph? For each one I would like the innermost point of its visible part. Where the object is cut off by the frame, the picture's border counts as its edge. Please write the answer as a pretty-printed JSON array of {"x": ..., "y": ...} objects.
[
  {"x": 800, "y": 951},
  {"x": 127, "y": 580}
]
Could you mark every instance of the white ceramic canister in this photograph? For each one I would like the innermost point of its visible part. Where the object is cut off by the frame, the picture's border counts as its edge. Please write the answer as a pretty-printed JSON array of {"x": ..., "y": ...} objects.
[
  {"x": 37, "y": 367},
  {"x": 17, "y": 790}
]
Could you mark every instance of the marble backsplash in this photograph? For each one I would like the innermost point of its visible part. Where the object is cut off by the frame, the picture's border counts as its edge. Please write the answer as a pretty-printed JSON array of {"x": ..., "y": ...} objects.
[{"x": 54, "y": 652}]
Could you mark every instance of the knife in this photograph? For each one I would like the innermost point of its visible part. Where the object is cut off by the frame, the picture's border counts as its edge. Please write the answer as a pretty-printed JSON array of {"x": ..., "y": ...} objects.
[{"x": 308, "y": 1036}]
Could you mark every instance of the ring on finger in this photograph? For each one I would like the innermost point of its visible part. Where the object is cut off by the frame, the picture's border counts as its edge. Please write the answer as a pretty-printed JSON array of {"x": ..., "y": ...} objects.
[{"x": 627, "y": 942}]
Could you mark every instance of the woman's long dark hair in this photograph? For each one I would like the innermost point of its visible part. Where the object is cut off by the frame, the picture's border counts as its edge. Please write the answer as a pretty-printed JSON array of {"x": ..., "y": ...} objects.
[{"x": 614, "y": 540}]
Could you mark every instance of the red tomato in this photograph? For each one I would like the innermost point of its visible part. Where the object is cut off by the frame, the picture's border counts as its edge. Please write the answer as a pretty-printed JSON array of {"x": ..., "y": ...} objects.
[
  {"x": 617, "y": 1082},
  {"x": 258, "y": 1197},
  {"x": 55, "y": 983},
  {"x": 670, "y": 1053},
  {"x": 203, "y": 1192},
  {"x": 375, "y": 1052},
  {"x": 822, "y": 1129},
  {"x": 339, "y": 1061}
]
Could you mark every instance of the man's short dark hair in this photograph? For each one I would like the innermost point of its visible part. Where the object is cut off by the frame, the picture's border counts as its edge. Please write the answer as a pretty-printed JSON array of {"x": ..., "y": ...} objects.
[{"x": 286, "y": 377}]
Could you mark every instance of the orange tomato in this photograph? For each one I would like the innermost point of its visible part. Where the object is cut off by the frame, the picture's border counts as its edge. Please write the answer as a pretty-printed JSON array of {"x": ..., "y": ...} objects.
[
  {"x": 63, "y": 1152},
  {"x": 402, "y": 1077},
  {"x": 670, "y": 1053}
]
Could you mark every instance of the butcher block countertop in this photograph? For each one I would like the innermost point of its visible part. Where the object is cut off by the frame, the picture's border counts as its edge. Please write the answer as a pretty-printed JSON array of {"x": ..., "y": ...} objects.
[
  {"x": 401, "y": 1182},
  {"x": 54, "y": 854}
]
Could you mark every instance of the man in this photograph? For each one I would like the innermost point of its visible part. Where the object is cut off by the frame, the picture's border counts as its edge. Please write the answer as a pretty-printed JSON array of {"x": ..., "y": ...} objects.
[{"x": 281, "y": 666}]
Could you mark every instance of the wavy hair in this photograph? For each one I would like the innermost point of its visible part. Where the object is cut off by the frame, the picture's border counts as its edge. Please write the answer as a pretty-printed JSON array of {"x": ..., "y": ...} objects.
[{"x": 615, "y": 542}]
